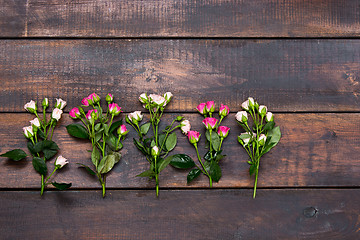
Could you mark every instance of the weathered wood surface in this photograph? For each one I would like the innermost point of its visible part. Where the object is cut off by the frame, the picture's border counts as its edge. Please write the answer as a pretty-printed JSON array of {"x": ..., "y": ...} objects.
[
  {"x": 184, "y": 18},
  {"x": 197, "y": 214},
  {"x": 287, "y": 75},
  {"x": 315, "y": 150}
]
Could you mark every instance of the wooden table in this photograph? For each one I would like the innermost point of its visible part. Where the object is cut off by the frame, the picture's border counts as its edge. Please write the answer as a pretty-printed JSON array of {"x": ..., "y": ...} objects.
[{"x": 300, "y": 58}]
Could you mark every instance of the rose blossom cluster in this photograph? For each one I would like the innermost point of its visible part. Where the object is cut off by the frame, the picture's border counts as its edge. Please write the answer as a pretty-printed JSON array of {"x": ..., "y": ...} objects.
[{"x": 259, "y": 138}]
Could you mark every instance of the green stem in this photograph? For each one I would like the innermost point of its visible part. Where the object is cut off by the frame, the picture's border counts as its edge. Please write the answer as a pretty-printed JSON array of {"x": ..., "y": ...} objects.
[
  {"x": 199, "y": 158},
  {"x": 52, "y": 131},
  {"x": 103, "y": 148},
  {"x": 217, "y": 126},
  {"x": 256, "y": 178},
  {"x": 167, "y": 133},
  {"x": 44, "y": 116},
  {"x": 50, "y": 175},
  {"x": 42, "y": 185},
  {"x": 157, "y": 184},
  {"x": 221, "y": 141},
  {"x": 210, "y": 148}
]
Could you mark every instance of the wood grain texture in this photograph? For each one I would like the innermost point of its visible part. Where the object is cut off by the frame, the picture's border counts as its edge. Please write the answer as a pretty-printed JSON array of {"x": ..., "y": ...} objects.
[
  {"x": 184, "y": 18},
  {"x": 206, "y": 214},
  {"x": 286, "y": 75},
  {"x": 316, "y": 150}
]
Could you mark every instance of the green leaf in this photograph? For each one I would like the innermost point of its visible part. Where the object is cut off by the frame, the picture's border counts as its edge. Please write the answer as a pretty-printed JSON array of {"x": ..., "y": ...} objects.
[
  {"x": 207, "y": 156},
  {"x": 89, "y": 170},
  {"x": 117, "y": 156},
  {"x": 140, "y": 147},
  {"x": 181, "y": 161},
  {"x": 98, "y": 135},
  {"x": 15, "y": 155},
  {"x": 163, "y": 163},
  {"x": 98, "y": 126},
  {"x": 39, "y": 165},
  {"x": 38, "y": 147},
  {"x": 95, "y": 156},
  {"x": 268, "y": 126},
  {"x": 215, "y": 171},
  {"x": 161, "y": 141},
  {"x": 41, "y": 134},
  {"x": 114, "y": 126},
  {"x": 106, "y": 129},
  {"x": 77, "y": 130},
  {"x": 171, "y": 142},
  {"x": 61, "y": 186},
  {"x": 111, "y": 141},
  {"x": 49, "y": 148},
  {"x": 145, "y": 128},
  {"x": 49, "y": 153},
  {"x": 148, "y": 173},
  {"x": 273, "y": 136},
  {"x": 106, "y": 164},
  {"x": 194, "y": 173},
  {"x": 30, "y": 146},
  {"x": 215, "y": 139}
]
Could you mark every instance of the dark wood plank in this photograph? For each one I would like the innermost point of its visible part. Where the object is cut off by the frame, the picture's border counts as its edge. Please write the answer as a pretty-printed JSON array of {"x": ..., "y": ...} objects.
[
  {"x": 184, "y": 18},
  {"x": 206, "y": 214},
  {"x": 316, "y": 150},
  {"x": 287, "y": 75}
]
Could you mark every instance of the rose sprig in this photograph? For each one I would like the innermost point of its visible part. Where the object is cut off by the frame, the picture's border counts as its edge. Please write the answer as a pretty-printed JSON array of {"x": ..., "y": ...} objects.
[
  {"x": 39, "y": 135},
  {"x": 155, "y": 147},
  {"x": 105, "y": 135},
  {"x": 215, "y": 135},
  {"x": 259, "y": 138}
]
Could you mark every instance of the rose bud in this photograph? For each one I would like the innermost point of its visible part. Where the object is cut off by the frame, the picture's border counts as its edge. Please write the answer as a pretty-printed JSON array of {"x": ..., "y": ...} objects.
[
  {"x": 60, "y": 162},
  {"x": 262, "y": 110},
  {"x": 92, "y": 114},
  {"x": 223, "y": 131},
  {"x": 193, "y": 136},
  {"x": 35, "y": 123},
  {"x": 209, "y": 123},
  {"x": 56, "y": 114},
  {"x": 251, "y": 102},
  {"x": 269, "y": 117},
  {"x": 224, "y": 110},
  {"x": 135, "y": 116},
  {"x": 262, "y": 139},
  {"x": 168, "y": 96},
  {"x": 122, "y": 131},
  {"x": 210, "y": 106},
  {"x": 143, "y": 98},
  {"x": 245, "y": 105},
  {"x": 31, "y": 106},
  {"x": 185, "y": 126},
  {"x": 109, "y": 98},
  {"x": 45, "y": 103},
  {"x": 94, "y": 97},
  {"x": 60, "y": 104},
  {"x": 202, "y": 108},
  {"x": 157, "y": 99},
  {"x": 28, "y": 132},
  {"x": 75, "y": 113},
  {"x": 242, "y": 116},
  {"x": 86, "y": 102},
  {"x": 244, "y": 139},
  {"x": 114, "y": 109},
  {"x": 154, "y": 151}
]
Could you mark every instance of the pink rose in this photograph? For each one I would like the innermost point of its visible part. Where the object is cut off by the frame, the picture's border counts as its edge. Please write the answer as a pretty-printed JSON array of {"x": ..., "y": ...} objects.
[
  {"x": 75, "y": 113},
  {"x": 109, "y": 98},
  {"x": 201, "y": 108},
  {"x": 92, "y": 114},
  {"x": 210, "y": 106},
  {"x": 224, "y": 110},
  {"x": 193, "y": 136},
  {"x": 94, "y": 97},
  {"x": 114, "y": 109},
  {"x": 185, "y": 126},
  {"x": 86, "y": 101},
  {"x": 210, "y": 123},
  {"x": 223, "y": 131},
  {"x": 122, "y": 131}
]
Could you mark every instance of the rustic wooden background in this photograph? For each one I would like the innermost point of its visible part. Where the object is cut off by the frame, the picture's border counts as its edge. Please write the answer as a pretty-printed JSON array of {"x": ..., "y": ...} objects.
[{"x": 300, "y": 58}]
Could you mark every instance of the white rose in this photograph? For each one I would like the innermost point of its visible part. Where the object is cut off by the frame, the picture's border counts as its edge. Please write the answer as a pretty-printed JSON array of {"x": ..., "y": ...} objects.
[
  {"x": 56, "y": 114},
  {"x": 60, "y": 104},
  {"x": 28, "y": 131},
  {"x": 245, "y": 105},
  {"x": 157, "y": 99},
  {"x": 241, "y": 116},
  {"x": 61, "y": 162},
  {"x": 143, "y": 98},
  {"x": 168, "y": 96},
  {"x": 262, "y": 110},
  {"x": 262, "y": 139},
  {"x": 185, "y": 126},
  {"x": 135, "y": 116},
  {"x": 31, "y": 106},
  {"x": 269, "y": 117},
  {"x": 35, "y": 122}
]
